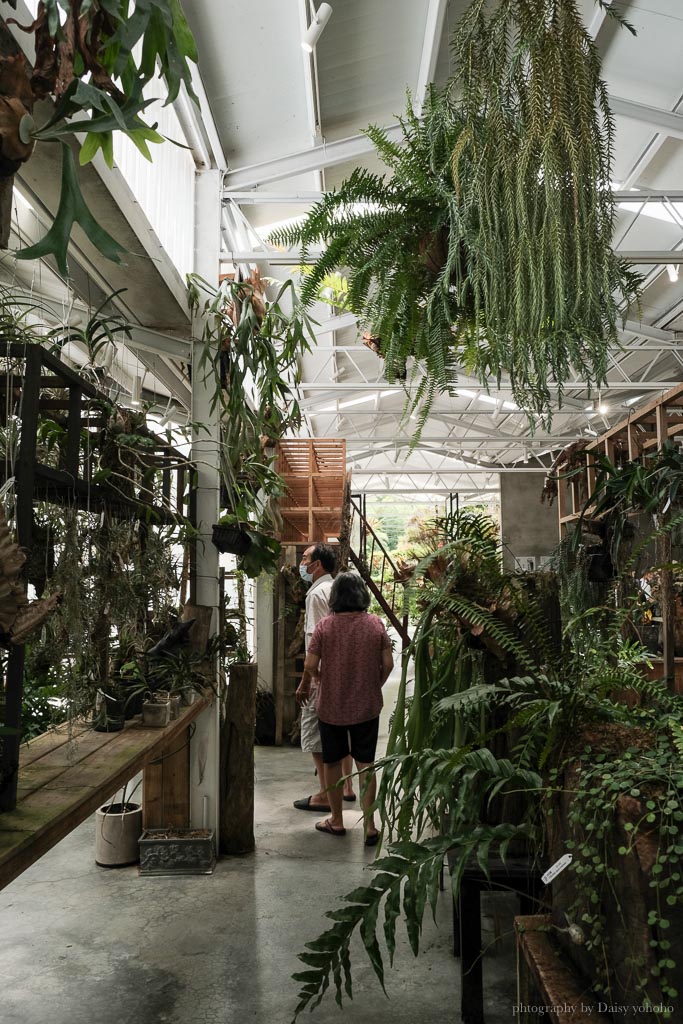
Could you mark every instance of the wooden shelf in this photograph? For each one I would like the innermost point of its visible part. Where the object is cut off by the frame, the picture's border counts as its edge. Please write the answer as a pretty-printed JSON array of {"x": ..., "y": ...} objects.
[
  {"x": 643, "y": 431},
  {"x": 64, "y": 776},
  {"x": 314, "y": 472}
]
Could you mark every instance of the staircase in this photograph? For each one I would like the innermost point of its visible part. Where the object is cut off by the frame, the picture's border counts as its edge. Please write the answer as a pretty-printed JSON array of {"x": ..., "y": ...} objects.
[{"x": 388, "y": 592}]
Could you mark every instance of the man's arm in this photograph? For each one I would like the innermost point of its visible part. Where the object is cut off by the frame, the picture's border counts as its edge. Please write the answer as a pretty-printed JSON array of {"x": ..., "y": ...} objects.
[
  {"x": 318, "y": 607},
  {"x": 303, "y": 690}
]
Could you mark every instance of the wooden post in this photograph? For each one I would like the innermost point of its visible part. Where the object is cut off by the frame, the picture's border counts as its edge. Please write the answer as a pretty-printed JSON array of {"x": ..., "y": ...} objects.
[
  {"x": 237, "y": 762},
  {"x": 166, "y": 782},
  {"x": 280, "y": 608},
  {"x": 166, "y": 786}
]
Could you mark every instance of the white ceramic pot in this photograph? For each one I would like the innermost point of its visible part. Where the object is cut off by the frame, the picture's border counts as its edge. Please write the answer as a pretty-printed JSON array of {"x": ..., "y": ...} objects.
[{"x": 118, "y": 828}]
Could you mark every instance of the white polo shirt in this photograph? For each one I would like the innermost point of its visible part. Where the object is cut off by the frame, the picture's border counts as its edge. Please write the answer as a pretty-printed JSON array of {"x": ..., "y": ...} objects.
[{"x": 317, "y": 604}]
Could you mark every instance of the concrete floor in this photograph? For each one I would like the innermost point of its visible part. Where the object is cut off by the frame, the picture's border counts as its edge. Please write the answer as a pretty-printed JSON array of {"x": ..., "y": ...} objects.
[{"x": 80, "y": 944}]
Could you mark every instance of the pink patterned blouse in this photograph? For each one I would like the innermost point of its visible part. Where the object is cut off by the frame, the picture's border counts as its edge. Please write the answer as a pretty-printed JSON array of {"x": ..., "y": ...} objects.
[{"x": 349, "y": 645}]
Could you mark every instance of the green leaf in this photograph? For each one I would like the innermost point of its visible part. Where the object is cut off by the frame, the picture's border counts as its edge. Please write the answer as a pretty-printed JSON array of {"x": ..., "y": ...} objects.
[{"x": 72, "y": 210}]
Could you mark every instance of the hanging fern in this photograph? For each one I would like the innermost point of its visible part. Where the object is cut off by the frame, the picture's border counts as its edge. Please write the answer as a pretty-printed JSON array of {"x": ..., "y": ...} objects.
[
  {"x": 399, "y": 239},
  {"x": 532, "y": 170},
  {"x": 489, "y": 247}
]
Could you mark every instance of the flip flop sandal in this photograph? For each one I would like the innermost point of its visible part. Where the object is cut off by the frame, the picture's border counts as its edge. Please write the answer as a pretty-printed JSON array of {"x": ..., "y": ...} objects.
[
  {"x": 372, "y": 839},
  {"x": 325, "y": 826},
  {"x": 306, "y": 805},
  {"x": 350, "y": 797}
]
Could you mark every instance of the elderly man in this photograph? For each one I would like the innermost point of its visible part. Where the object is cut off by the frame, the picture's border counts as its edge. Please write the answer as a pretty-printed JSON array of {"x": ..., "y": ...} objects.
[{"x": 316, "y": 567}]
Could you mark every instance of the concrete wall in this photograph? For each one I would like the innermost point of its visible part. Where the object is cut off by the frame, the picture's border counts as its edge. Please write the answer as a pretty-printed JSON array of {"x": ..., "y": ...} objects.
[{"x": 528, "y": 528}]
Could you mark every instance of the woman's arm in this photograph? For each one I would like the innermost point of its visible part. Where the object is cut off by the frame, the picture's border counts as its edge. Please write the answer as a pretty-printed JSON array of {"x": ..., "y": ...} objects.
[
  {"x": 310, "y": 669},
  {"x": 387, "y": 664}
]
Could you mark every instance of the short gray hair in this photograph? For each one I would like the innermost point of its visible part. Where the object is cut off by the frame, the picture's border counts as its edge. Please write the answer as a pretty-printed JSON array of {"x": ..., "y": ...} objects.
[{"x": 349, "y": 594}]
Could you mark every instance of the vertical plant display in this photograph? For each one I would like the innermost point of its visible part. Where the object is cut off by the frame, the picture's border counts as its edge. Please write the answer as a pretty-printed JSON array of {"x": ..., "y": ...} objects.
[{"x": 250, "y": 349}]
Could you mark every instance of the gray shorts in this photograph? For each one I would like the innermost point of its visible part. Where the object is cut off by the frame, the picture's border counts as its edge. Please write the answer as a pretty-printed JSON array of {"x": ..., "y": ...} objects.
[{"x": 310, "y": 733}]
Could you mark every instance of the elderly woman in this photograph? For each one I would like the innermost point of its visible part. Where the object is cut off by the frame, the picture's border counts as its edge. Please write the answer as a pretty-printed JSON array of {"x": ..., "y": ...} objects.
[{"x": 351, "y": 652}]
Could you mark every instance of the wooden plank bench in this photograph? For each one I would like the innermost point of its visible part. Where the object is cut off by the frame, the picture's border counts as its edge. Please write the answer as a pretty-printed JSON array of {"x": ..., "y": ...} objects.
[
  {"x": 66, "y": 774},
  {"x": 548, "y": 980}
]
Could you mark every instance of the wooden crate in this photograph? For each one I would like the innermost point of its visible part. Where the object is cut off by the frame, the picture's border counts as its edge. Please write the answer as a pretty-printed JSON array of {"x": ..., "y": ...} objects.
[{"x": 314, "y": 471}]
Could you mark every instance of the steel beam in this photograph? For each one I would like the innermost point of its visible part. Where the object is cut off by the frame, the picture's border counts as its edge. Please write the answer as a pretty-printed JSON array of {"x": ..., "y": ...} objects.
[
  {"x": 144, "y": 340},
  {"x": 293, "y": 258},
  {"x": 649, "y": 195},
  {"x": 508, "y": 440},
  {"x": 436, "y": 14},
  {"x": 328, "y": 154},
  {"x": 650, "y": 256},
  {"x": 464, "y": 471},
  {"x": 647, "y": 331},
  {"x": 256, "y": 198},
  {"x": 504, "y": 389},
  {"x": 665, "y": 121}
]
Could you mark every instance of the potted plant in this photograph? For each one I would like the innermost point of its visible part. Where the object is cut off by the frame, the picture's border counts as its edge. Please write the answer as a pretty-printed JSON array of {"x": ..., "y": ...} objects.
[
  {"x": 473, "y": 249},
  {"x": 156, "y": 710},
  {"x": 257, "y": 552},
  {"x": 230, "y": 536},
  {"x": 109, "y": 713},
  {"x": 177, "y": 851},
  {"x": 118, "y": 826}
]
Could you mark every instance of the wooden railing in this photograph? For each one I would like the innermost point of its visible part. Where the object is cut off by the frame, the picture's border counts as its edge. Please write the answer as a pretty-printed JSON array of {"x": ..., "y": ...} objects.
[{"x": 388, "y": 591}]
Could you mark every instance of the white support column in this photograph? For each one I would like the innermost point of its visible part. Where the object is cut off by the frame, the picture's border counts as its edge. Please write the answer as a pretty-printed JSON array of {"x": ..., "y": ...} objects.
[{"x": 204, "y": 748}]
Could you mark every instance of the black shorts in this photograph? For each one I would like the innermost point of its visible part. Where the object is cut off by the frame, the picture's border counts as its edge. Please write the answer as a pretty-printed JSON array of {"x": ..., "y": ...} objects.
[{"x": 338, "y": 741}]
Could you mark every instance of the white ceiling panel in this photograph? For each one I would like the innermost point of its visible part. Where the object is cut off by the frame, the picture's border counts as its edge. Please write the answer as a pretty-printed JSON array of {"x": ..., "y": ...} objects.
[{"x": 252, "y": 67}]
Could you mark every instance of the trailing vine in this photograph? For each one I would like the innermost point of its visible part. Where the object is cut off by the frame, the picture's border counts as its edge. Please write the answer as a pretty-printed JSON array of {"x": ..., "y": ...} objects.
[{"x": 626, "y": 811}]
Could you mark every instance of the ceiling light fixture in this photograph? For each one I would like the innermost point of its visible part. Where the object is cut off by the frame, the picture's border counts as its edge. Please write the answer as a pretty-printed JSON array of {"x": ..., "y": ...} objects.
[
  {"x": 168, "y": 415},
  {"x": 672, "y": 271},
  {"x": 136, "y": 392},
  {"x": 320, "y": 19}
]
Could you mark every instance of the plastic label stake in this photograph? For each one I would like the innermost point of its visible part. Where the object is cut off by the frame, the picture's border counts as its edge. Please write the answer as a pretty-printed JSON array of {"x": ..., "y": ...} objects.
[{"x": 556, "y": 868}]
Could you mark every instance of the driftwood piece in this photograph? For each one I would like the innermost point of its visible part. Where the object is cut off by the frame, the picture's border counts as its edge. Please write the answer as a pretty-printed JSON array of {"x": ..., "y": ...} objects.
[
  {"x": 18, "y": 617},
  {"x": 236, "y": 834}
]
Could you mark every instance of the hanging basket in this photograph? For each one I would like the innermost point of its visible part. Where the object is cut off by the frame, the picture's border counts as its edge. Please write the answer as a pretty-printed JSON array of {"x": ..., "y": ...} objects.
[{"x": 231, "y": 540}]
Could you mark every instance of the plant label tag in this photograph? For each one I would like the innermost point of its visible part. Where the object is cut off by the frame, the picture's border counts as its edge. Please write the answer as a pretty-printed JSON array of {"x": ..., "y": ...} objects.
[{"x": 556, "y": 868}]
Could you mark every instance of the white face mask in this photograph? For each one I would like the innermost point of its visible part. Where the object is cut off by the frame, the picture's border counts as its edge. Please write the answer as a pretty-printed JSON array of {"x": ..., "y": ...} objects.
[{"x": 305, "y": 574}]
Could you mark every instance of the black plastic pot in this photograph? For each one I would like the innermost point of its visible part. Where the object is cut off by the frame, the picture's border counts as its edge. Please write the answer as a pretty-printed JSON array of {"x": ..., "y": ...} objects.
[
  {"x": 132, "y": 697},
  {"x": 109, "y": 717},
  {"x": 231, "y": 540}
]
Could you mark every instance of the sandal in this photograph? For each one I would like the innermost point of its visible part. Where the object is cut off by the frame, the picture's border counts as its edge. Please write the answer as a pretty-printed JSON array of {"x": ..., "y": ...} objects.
[
  {"x": 328, "y": 827},
  {"x": 306, "y": 805},
  {"x": 350, "y": 797},
  {"x": 372, "y": 839}
]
